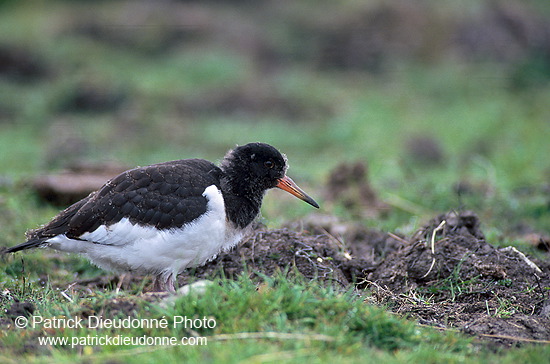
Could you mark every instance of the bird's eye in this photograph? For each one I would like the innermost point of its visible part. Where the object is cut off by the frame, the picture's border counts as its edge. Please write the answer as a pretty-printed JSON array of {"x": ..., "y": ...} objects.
[{"x": 269, "y": 164}]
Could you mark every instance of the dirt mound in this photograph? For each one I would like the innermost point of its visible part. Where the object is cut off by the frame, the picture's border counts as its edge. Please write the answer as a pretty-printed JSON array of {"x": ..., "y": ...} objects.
[
  {"x": 460, "y": 252},
  {"x": 21, "y": 65},
  {"x": 72, "y": 185},
  {"x": 91, "y": 99},
  {"x": 349, "y": 184},
  {"x": 466, "y": 283},
  {"x": 269, "y": 251}
]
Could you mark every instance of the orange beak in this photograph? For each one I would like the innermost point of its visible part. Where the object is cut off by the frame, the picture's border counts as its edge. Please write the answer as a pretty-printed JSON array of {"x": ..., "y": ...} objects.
[{"x": 289, "y": 186}]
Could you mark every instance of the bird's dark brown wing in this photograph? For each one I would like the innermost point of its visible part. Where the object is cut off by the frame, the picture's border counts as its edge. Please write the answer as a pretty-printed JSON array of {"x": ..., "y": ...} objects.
[{"x": 165, "y": 195}]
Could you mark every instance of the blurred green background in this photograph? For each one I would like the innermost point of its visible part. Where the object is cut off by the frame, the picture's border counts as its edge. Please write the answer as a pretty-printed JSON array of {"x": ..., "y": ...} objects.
[{"x": 446, "y": 102}]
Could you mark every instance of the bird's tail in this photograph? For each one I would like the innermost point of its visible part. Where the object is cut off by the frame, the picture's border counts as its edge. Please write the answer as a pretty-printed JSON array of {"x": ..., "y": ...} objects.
[{"x": 33, "y": 243}]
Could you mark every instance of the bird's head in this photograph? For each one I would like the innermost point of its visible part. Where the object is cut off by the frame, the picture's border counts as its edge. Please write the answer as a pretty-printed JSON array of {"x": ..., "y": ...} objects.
[{"x": 259, "y": 167}]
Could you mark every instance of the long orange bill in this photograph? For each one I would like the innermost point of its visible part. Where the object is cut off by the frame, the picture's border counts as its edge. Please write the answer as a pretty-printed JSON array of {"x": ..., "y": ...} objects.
[{"x": 289, "y": 186}]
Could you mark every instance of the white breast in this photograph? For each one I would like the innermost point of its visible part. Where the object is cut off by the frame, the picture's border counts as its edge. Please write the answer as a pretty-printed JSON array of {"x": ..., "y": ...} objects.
[{"x": 130, "y": 247}]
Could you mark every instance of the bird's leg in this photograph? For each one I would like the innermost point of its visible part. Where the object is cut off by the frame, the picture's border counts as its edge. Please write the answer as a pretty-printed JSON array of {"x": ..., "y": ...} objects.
[
  {"x": 170, "y": 284},
  {"x": 121, "y": 279},
  {"x": 163, "y": 283},
  {"x": 158, "y": 284}
]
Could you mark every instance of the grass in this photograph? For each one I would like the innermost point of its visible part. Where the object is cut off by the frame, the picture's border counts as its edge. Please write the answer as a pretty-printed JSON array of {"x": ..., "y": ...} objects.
[
  {"x": 274, "y": 319},
  {"x": 291, "y": 316},
  {"x": 493, "y": 138}
]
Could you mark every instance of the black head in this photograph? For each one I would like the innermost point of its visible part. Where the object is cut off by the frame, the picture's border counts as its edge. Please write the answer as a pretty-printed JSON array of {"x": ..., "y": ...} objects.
[{"x": 256, "y": 167}]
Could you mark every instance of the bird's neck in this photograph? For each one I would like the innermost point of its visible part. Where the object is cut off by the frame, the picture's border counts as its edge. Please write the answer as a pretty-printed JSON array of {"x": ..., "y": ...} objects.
[{"x": 242, "y": 202}]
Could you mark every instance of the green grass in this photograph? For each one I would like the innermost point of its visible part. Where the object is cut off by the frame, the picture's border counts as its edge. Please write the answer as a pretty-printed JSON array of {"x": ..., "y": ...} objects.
[
  {"x": 292, "y": 316},
  {"x": 275, "y": 319}
]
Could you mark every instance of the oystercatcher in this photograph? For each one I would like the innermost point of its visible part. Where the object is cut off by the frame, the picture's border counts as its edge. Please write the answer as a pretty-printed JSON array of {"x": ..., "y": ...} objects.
[{"x": 164, "y": 218}]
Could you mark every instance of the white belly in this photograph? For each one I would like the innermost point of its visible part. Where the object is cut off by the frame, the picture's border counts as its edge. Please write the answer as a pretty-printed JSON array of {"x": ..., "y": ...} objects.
[{"x": 130, "y": 247}]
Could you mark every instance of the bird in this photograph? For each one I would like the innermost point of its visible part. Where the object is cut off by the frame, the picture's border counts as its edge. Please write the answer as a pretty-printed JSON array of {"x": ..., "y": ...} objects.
[{"x": 164, "y": 218}]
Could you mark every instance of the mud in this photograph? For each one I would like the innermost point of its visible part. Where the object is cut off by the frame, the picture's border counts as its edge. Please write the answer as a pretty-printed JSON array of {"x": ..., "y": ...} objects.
[
  {"x": 498, "y": 294},
  {"x": 267, "y": 252},
  {"x": 92, "y": 99},
  {"x": 73, "y": 184},
  {"x": 348, "y": 184},
  {"x": 21, "y": 65}
]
